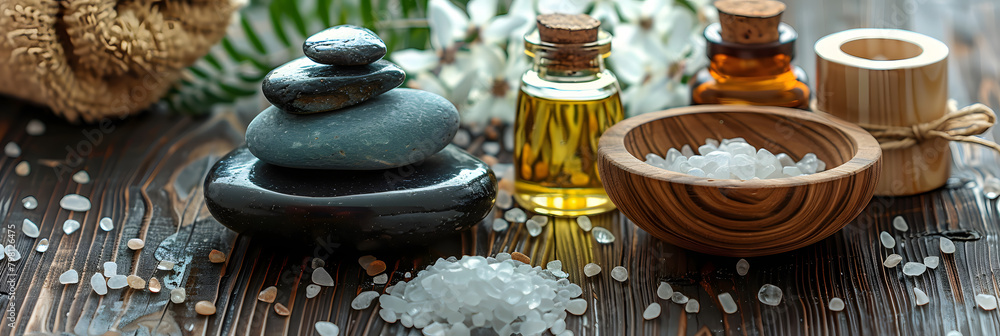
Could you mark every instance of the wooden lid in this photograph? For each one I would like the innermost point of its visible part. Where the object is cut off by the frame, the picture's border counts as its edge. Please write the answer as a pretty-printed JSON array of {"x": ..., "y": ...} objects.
[
  {"x": 566, "y": 28},
  {"x": 750, "y": 21}
]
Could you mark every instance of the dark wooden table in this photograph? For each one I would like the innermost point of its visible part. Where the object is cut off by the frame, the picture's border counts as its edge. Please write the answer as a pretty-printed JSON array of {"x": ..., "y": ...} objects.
[{"x": 147, "y": 175}]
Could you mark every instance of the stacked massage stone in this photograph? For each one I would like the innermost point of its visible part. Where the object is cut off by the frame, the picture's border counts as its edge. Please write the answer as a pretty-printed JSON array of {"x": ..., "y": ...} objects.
[{"x": 344, "y": 157}]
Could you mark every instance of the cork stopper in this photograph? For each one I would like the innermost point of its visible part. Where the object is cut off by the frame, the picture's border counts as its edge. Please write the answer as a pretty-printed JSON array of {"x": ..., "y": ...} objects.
[
  {"x": 566, "y": 28},
  {"x": 750, "y": 21}
]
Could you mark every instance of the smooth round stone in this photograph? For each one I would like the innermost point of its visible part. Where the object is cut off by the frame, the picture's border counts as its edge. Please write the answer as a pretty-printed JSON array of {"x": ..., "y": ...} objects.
[
  {"x": 366, "y": 210},
  {"x": 303, "y": 86},
  {"x": 344, "y": 45},
  {"x": 400, "y": 127}
]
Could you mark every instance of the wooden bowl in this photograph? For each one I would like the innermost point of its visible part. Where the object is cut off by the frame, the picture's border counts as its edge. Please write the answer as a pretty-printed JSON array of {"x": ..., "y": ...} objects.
[{"x": 734, "y": 217}]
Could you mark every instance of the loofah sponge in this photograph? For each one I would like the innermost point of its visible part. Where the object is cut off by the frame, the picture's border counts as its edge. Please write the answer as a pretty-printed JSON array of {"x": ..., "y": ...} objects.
[{"x": 91, "y": 59}]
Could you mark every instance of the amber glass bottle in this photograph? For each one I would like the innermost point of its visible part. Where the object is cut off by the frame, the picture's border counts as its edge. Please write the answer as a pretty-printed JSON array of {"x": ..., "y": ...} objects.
[
  {"x": 750, "y": 53},
  {"x": 567, "y": 100}
]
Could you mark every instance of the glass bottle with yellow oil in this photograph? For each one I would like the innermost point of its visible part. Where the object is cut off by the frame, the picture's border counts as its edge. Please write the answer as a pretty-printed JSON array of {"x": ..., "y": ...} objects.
[
  {"x": 750, "y": 53},
  {"x": 567, "y": 100}
]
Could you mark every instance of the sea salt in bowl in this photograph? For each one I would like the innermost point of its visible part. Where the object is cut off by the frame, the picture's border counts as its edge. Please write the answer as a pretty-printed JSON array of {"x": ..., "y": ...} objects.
[{"x": 732, "y": 217}]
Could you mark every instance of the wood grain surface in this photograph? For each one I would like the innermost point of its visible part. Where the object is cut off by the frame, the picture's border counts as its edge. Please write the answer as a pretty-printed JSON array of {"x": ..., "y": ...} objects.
[
  {"x": 146, "y": 175},
  {"x": 728, "y": 216}
]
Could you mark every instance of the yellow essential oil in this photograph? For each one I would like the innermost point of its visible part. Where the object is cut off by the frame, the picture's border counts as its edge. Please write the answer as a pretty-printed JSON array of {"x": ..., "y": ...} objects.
[
  {"x": 567, "y": 101},
  {"x": 556, "y": 154}
]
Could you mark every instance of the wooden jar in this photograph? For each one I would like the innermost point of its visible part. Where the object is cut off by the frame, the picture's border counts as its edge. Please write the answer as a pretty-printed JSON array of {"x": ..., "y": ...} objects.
[{"x": 889, "y": 77}]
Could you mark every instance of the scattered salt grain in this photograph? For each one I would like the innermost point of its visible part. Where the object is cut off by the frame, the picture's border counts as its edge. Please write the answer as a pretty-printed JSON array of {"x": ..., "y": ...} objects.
[
  {"x": 117, "y": 282},
  {"x": 325, "y": 328},
  {"x": 178, "y": 295},
  {"x": 268, "y": 294},
  {"x": 280, "y": 309},
  {"x": 43, "y": 245},
  {"x": 931, "y": 262},
  {"x": 914, "y": 268},
  {"x": 407, "y": 275},
  {"x": 35, "y": 127},
  {"x": 900, "y": 224},
  {"x": 728, "y": 305},
  {"x": 375, "y": 267},
  {"x": 12, "y": 149},
  {"x": 321, "y": 277},
  {"x": 504, "y": 199},
  {"x": 154, "y": 285},
  {"x": 584, "y": 223},
  {"x": 742, "y": 267},
  {"x": 679, "y": 298},
  {"x": 664, "y": 291},
  {"x": 110, "y": 269},
  {"x": 165, "y": 265},
  {"x": 12, "y": 253},
  {"x": 836, "y": 304},
  {"x": 22, "y": 168},
  {"x": 991, "y": 187},
  {"x": 314, "y": 263},
  {"x": 69, "y": 277},
  {"x": 29, "y": 202},
  {"x": 554, "y": 265},
  {"x": 515, "y": 215},
  {"x": 365, "y": 260},
  {"x": 364, "y": 300},
  {"x": 541, "y": 220},
  {"x": 204, "y": 308},
  {"x": 920, "y": 297},
  {"x": 947, "y": 246},
  {"x": 74, "y": 202},
  {"x": 892, "y": 260},
  {"x": 106, "y": 224},
  {"x": 499, "y": 224},
  {"x": 591, "y": 269},
  {"x": 692, "y": 306},
  {"x": 381, "y": 279},
  {"x": 619, "y": 273},
  {"x": 217, "y": 257},
  {"x": 135, "y": 244},
  {"x": 652, "y": 311},
  {"x": 769, "y": 294},
  {"x": 577, "y": 306},
  {"x": 603, "y": 236},
  {"x": 98, "y": 283},
  {"x": 29, "y": 228},
  {"x": 534, "y": 229},
  {"x": 953, "y": 333},
  {"x": 986, "y": 301},
  {"x": 81, "y": 177},
  {"x": 312, "y": 290},
  {"x": 887, "y": 240},
  {"x": 135, "y": 282},
  {"x": 70, "y": 226}
]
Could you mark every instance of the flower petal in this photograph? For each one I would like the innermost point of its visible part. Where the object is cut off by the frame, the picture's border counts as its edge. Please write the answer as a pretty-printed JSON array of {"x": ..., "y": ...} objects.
[
  {"x": 481, "y": 11},
  {"x": 414, "y": 60},
  {"x": 447, "y": 23}
]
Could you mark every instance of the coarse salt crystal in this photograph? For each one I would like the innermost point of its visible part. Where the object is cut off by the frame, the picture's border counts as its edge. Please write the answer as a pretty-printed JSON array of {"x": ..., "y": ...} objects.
[
  {"x": 35, "y": 127},
  {"x": 986, "y": 301},
  {"x": 914, "y": 268},
  {"x": 664, "y": 291},
  {"x": 692, "y": 306},
  {"x": 29, "y": 202},
  {"x": 499, "y": 224},
  {"x": 69, "y": 277},
  {"x": 679, "y": 298},
  {"x": 900, "y": 224},
  {"x": 43, "y": 245},
  {"x": 364, "y": 300},
  {"x": 947, "y": 246},
  {"x": 12, "y": 149},
  {"x": 29, "y": 228},
  {"x": 12, "y": 253},
  {"x": 892, "y": 260},
  {"x": 381, "y": 279},
  {"x": 74, "y": 202},
  {"x": 836, "y": 304},
  {"x": 268, "y": 294},
  {"x": 769, "y": 294},
  {"x": 652, "y": 311},
  {"x": 117, "y": 282},
  {"x": 81, "y": 177},
  {"x": 515, "y": 215},
  {"x": 321, "y": 277},
  {"x": 135, "y": 244},
  {"x": 742, "y": 267},
  {"x": 98, "y": 283},
  {"x": 584, "y": 223},
  {"x": 728, "y": 305},
  {"x": 619, "y": 273},
  {"x": 110, "y": 269},
  {"x": 70, "y": 226},
  {"x": 22, "y": 168},
  {"x": 106, "y": 224},
  {"x": 931, "y": 262},
  {"x": 603, "y": 236},
  {"x": 920, "y": 297},
  {"x": 312, "y": 290},
  {"x": 534, "y": 229},
  {"x": 178, "y": 295},
  {"x": 887, "y": 240},
  {"x": 326, "y": 328},
  {"x": 591, "y": 269}
]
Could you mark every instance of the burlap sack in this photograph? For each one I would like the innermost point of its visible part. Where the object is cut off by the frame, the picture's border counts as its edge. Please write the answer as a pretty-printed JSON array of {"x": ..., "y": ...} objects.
[{"x": 90, "y": 59}]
